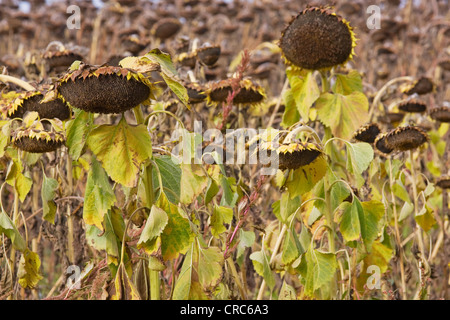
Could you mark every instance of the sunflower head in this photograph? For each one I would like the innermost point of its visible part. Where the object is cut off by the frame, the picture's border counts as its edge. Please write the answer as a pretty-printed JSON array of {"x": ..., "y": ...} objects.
[
  {"x": 166, "y": 28},
  {"x": 367, "y": 133},
  {"x": 413, "y": 106},
  {"x": 443, "y": 182},
  {"x": 250, "y": 93},
  {"x": 441, "y": 114},
  {"x": 295, "y": 155},
  {"x": 195, "y": 92},
  {"x": 33, "y": 137},
  {"x": 421, "y": 86},
  {"x": 381, "y": 148},
  {"x": 209, "y": 54},
  {"x": 317, "y": 39},
  {"x": 60, "y": 60},
  {"x": 104, "y": 89},
  {"x": 406, "y": 138}
]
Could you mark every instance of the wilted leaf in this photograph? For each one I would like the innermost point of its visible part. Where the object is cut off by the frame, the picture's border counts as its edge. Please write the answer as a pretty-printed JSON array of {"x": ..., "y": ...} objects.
[
  {"x": 347, "y": 83},
  {"x": 193, "y": 182},
  {"x": 177, "y": 235},
  {"x": 156, "y": 222},
  {"x": 344, "y": 114},
  {"x": 287, "y": 292},
  {"x": 49, "y": 187},
  {"x": 321, "y": 268},
  {"x": 220, "y": 216},
  {"x": 124, "y": 288},
  {"x": 303, "y": 179},
  {"x": 15, "y": 178},
  {"x": 425, "y": 218},
  {"x": 28, "y": 271},
  {"x": 305, "y": 92},
  {"x": 261, "y": 264},
  {"x": 121, "y": 149},
  {"x": 99, "y": 196}
]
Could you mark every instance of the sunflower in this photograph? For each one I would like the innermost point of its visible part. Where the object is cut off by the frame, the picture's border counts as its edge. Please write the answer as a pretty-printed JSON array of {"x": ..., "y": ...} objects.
[
  {"x": 104, "y": 89},
  {"x": 443, "y": 182},
  {"x": 367, "y": 133},
  {"x": 441, "y": 114},
  {"x": 413, "y": 106},
  {"x": 380, "y": 145},
  {"x": 295, "y": 155},
  {"x": 209, "y": 54},
  {"x": 406, "y": 138},
  {"x": 10, "y": 106},
  {"x": 35, "y": 139},
  {"x": 250, "y": 93},
  {"x": 317, "y": 39},
  {"x": 421, "y": 86}
]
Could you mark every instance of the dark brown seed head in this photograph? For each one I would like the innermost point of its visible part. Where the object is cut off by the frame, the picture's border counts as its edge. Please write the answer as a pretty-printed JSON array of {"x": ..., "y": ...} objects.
[
  {"x": 421, "y": 86},
  {"x": 187, "y": 59},
  {"x": 37, "y": 141},
  {"x": 317, "y": 39},
  {"x": 406, "y": 138},
  {"x": 443, "y": 182},
  {"x": 413, "y": 105},
  {"x": 208, "y": 55},
  {"x": 166, "y": 28},
  {"x": 195, "y": 92},
  {"x": 60, "y": 60},
  {"x": 367, "y": 133},
  {"x": 380, "y": 145},
  {"x": 104, "y": 89},
  {"x": 48, "y": 110},
  {"x": 441, "y": 114},
  {"x": 249, "y": 93}
]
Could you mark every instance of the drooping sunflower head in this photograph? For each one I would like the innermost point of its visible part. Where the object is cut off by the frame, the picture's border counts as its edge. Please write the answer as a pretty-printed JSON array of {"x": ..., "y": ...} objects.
[
  {"x": 317, "y": 39},
  {"x": 104, "y": 89},
  {"x": 187, "y": 59},
  {"x": 406, "y": 138},
  {"x": 250, "y": 93},
  {"x": 295, "y": 155},
  {"x": 166, "y": 28},
  {"x": 367, "y": 133},
  {"x": 413, "y": 106},
  {"x": 60, "y": 60},
  {"x": 195, "y": 92},
  {"x": 421, "y": 86},
  {"x": 33, "y": 137},
  {"x": 443, "y": 182},
  {"x": 208, "y": 54},
  {"x": 381, "y": 148},
  {"x": 441, "y": 114},
  {"x": 33, "y": 101}
]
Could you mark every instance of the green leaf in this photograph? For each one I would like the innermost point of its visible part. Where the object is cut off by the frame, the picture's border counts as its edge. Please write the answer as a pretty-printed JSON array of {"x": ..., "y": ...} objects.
[
  {"x": 156, "y": 222},
  {"x": 121, "y": 149},
  {"x": 246, "y": 240},
  {"x": 305, "y": 92},
  {"x": 261, "y": 264},
  {"x": 112, "y": 236},
  {"x": 292, "y": 248},
  {"x": 28, "y": 271},
  {"x": 99, "y": 196},
  {"x": 361, "y": 219},
  {"x": 220, "y": 216},
  {"x": 193, "y": 182},
  {"x": 321, "y": 268},
  {"x": 347, "y": 83},
  {"x": 48, "y": 192},
  {"x": 177, "y": 235},
  {"x": 303, "y": 179},
  {"x": 288, "y": 206},
  {"x": 77, "y": 131},
  {"x": 344, "y": 114},
  {"x": 350, "y": 223},
  {"x": 360, "y": 155},
  {"x": 170, "y": 176},
  {"x": 291, "y": 114},
  {"x": 8, "y": 228}
]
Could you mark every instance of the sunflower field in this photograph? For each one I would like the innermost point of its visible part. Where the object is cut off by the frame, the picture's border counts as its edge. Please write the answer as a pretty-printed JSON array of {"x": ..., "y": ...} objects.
[{"x": 224, "y": 150}]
